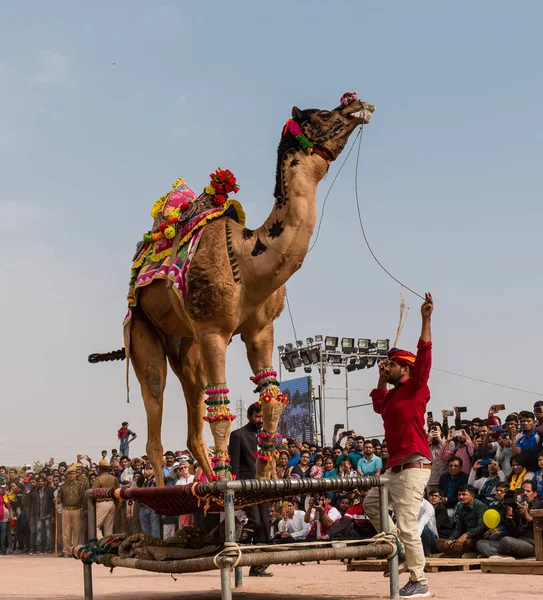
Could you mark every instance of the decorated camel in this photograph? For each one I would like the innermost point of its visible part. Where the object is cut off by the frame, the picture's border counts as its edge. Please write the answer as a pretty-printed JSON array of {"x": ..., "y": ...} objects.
[{"x": 229, "y": 282}]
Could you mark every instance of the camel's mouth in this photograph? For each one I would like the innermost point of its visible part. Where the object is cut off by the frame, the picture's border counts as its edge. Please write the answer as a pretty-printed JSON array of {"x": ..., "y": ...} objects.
[{"x": 359, "y": 111}]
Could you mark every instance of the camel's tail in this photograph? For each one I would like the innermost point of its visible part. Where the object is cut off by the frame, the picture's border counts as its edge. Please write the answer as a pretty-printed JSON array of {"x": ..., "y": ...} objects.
[{"x": 108, "y": 356}]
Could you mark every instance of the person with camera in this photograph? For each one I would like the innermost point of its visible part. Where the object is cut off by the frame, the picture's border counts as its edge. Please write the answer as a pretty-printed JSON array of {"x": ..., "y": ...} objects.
[
  {"x": 519, "y": 528},
  {"x": 321, "y": 515},
  {"x": 459, "y": 445},
  {"x": 469, "y": 525},
  {"x": 403, "y": 411},
  {"x": 486, "y": 486},
  {"x": 436, "y": 443}
]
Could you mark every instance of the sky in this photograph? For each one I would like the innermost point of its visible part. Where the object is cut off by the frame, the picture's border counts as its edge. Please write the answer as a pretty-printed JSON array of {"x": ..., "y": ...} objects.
[{"x": 104, "y": 105}]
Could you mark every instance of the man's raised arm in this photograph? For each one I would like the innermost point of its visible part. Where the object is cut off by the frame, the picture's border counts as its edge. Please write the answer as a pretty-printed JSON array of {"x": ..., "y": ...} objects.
[{"x": 426, "y": 312}]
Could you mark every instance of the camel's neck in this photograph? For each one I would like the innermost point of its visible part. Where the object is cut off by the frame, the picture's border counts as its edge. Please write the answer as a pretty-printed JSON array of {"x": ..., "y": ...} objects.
[{"x": 283, "y": 239}]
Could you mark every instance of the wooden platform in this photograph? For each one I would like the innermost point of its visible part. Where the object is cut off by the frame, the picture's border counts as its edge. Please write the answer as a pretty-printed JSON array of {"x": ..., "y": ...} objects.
[
  {"x": 433, "y": 565},
  {"x": 522, "y": 566}
]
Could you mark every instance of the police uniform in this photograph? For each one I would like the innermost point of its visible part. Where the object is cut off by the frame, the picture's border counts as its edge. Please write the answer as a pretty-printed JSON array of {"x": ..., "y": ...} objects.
[
  {"x": 105, "y": 508},
  {"x": 72, "y": 497}
]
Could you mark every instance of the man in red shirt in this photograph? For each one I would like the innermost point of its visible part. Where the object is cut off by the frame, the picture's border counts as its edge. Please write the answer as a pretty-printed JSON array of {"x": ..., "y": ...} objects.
[{"x": 403, "y": 410}]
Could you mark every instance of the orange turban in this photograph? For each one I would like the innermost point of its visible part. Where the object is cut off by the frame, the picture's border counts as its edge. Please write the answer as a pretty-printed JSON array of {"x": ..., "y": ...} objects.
[{"x": 402, "y": 357}]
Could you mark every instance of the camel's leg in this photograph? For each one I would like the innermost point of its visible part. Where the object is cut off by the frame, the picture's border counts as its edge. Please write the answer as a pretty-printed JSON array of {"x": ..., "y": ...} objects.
[
  {"x": 190, "y": 371},
  {"x": 259, "y": 344},
  {"x": 213, "y": 346},
  {"x": 149, "y": 361}
]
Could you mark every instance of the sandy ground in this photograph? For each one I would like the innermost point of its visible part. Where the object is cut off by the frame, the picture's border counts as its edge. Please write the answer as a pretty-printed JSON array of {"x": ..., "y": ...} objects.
[{"x": 42, "y": 577}]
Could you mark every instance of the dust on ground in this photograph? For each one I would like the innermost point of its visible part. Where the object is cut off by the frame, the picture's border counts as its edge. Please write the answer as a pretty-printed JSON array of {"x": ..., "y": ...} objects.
[{"x": 46, "y": 578}]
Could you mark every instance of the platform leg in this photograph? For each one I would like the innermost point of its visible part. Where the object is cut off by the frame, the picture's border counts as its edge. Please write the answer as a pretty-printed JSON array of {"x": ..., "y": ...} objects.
[
  {"x": 229, "y": 536},
  {"x": 238, "y": 577},
  {"x": 87, "y": 568},
  {"x": 392, "y": 563},
  {"x": 87, "y": 581}
]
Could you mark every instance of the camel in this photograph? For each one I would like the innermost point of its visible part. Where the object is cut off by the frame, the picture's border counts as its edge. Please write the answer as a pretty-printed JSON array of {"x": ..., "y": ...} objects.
[{"x": 236, "y": 286}]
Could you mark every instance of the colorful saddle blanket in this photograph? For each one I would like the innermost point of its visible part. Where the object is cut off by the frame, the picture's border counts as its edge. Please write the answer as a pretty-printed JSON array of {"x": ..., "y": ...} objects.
[{"x": 154, "y": 260}]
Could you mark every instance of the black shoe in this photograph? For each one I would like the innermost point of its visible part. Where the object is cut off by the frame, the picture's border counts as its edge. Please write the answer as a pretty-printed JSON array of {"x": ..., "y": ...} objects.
[{"x": 259, "y": 572}]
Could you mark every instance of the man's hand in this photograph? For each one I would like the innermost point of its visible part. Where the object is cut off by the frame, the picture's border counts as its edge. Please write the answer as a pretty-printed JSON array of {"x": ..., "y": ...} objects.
[
  {"x": 477, "y": 465},
  {"x": 509, "y": 511},
  {"x": 427, "y": 306},
  {"x": 286, "y": 535}
]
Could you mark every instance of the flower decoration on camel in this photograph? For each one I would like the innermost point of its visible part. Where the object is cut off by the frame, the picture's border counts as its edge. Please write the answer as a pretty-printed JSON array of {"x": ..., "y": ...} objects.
[
  {"x": 348, "y": 98},
  {"x": 222, "y": 183}
]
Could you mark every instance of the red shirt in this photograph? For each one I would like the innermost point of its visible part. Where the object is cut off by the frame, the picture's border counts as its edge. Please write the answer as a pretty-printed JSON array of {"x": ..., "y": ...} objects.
[
  {"x": 403, "y": 409},
  {"x": 356, "y": 513}
]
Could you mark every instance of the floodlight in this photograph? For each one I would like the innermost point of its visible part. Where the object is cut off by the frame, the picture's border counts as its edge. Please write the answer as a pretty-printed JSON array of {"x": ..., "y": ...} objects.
[
  {"x": 352, "y": 366},
  {"x": 363, "y": 344},
  {"x": 330, "y": 343},
  {"x": 382, "y": 345},
  {"x": 362, "y": 362},
  {"x": 299, "y": 343},
  {"x": 289, "y": 346},
  {"x": 309, "y": 341},
  {"x": 336, "y": 371},
  {"x": 315, "y": 355},
  {"x": 318, "y": 339},
  {"x": 371, "y": 361},
  {"x": 281, "y": 349},
  {"x": 334, "y": 358},
  {"x": 296, "y": 360},
  {"x": 304, "y": 355},
  {"x": 307, "y": 369},
  {"x": 287, "y": 362},
  {"x": 347, "y": 344}
]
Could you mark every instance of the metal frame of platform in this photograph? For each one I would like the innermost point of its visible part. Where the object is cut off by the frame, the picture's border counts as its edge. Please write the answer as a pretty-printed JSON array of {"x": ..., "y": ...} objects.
[{"x": 228, "y": 562}]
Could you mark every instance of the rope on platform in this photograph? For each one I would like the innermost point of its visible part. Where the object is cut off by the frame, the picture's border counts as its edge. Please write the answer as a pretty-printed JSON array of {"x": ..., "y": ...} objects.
[
  {"x": 233, "y": 549},
  {"x": 229, "y": 549}
]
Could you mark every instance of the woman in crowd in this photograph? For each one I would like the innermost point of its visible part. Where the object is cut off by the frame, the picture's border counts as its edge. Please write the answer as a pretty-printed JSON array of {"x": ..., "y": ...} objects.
[
  {"x": 282, "y": 469},
  {"x": 518, "y": 474}
]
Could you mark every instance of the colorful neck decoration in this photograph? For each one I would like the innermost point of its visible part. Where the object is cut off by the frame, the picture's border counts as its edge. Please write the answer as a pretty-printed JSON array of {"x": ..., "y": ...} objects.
[
  {"x": 294, "y": 129},
  {"x": 217, "y": 403},
  {"x": 348, "y": 98},
  {"x": 267, "y": 387}
]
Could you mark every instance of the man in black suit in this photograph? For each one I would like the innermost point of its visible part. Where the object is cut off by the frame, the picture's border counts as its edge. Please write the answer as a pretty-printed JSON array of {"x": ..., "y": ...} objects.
[{"x": 242, "y": 448}]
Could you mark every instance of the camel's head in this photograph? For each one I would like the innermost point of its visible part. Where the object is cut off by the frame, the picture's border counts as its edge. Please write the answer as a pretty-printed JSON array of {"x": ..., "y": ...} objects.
[{"x": 329, "y": 130}]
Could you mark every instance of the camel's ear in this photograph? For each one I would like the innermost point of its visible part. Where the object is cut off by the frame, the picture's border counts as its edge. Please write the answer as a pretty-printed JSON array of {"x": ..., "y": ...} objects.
[{"x": 296, "y": 113}]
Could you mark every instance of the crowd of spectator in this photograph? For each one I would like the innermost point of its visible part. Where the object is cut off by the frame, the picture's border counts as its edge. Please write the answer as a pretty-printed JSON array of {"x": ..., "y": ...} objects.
[{"x": 477, "y": 465}]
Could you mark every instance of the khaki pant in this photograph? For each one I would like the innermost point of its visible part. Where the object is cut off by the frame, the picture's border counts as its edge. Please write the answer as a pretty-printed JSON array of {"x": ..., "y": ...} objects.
[
  {"x": 71, "y": 520},
  {"x": 405, "y": 494},
  {"x": 105, "y": 514}
]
